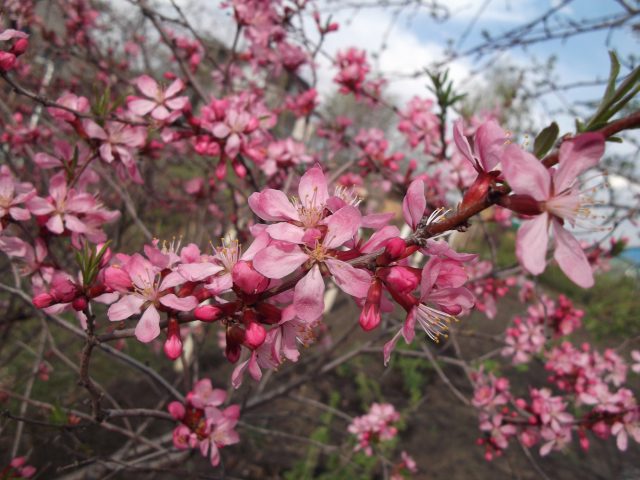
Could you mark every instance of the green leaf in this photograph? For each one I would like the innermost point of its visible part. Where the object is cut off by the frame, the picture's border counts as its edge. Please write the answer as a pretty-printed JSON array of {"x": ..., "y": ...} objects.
[
  {"x": 545, "y": 140},
  {"x": 613, "y": 75}
]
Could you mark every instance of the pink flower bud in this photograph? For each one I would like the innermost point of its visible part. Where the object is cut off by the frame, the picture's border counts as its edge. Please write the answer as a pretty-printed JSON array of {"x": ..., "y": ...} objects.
[
  {"x": 395, "y": 248},
  {"x": 20, "y": 46},
  {"x": 177, "y": 410},
  {"x": 63, "y": 289},
  {"x": 43, "y": 300},
  {"x": 207, "y": 313},
  {"x": 18, "y": 462},
  {"x": 401, "y": 279},
  {"x": 255, "y": 335},
  {"x": 370, "y": 316},
  {"x": 173, "y": 344},
  {"x": 7, "y": 61},
  {"x": 79, "y": 304},
  {"x": 248, "y": 279},
  {"x": 173, "y": 347}
]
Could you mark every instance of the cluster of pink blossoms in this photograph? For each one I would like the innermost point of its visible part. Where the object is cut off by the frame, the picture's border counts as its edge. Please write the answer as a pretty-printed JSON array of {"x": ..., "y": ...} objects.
[
  {"x": 375, "y": 427},
  {"x": 352, "y": 75},
  {"x": 17, "y": 469},
  {"x": 591, "y": 386},
  {"x": 202, "y": 424},
  {"x": 527, "y": 336},
  {"x": 420, "y": 125}
]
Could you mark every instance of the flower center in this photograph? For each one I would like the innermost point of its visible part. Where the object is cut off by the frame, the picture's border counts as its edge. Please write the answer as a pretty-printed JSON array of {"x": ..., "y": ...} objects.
[{"x": 228, "y": 253}]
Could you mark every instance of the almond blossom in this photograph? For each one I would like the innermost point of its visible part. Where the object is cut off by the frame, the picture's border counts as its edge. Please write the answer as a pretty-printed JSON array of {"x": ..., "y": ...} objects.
[
  {"x": 164, "y": 104},
  {"x": 150, "y": 291},
  {"x": 13, "y": 194},
  {"x": 558, "y": 199},
  {"x": 118, "y": 141},
  {"x": 202, "y": 424}
]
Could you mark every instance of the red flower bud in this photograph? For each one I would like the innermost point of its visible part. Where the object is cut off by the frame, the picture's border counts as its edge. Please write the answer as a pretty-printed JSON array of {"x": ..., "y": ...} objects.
[
  {"x": 395, "y": 248},
  {"x": 20, "y": 46},
  {"x": 173, "y": 344},
  {"x": 401, "y": 279},
  {"x": 370, "y": 316},
  {"x": 207, "y": 313},
  {"x": 79, "y": 303},
  {"x": 522, "y": 204},
  {"x": 255, "y": 335},
  {"x": 43, "y": 300}
]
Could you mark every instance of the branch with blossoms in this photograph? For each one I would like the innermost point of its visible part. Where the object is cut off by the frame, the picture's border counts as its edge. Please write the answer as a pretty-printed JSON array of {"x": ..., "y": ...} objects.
[{"x": 197, "y": 140}]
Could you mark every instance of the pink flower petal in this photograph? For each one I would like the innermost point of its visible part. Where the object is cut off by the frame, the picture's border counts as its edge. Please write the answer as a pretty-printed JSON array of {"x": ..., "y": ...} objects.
[
  {"x": 312, "y": 189},
  {"x": 525, "y": 173},
  {"x": 353, "y": 281},
  {"x": 194, "y": 272},
  {"x": 379, "y": 238},
  {"x": 278, "y": 261},
  {"x": 176, "y": 87},
  {"x": 462, "y": 143},
  {"x": 531, "y": 243},
  {"x": 341, "y": 226},
  {"x": 177, "y": 103},
  {"x": 140, "y": 106},
  {"x": 576, "y": 156},
  {"x": 55, "y": 225},
  {"x": 490, "y": 142},
  {"x": 160, "y": 113},
  {"x": 571, "y": 257},
  {"x": 272, "y": 205},
  {"x": 148, "y": 86},
  {"x": 125, "y": 307},
  {"x": 308, "y": 297},
  {"x": 286, "y": 232},
  {"x": 182, "y": 304},
  {"x": 94, "y": 130},
  {"x": 414, "y": 204},
  {"x": 148, "y": 327}
]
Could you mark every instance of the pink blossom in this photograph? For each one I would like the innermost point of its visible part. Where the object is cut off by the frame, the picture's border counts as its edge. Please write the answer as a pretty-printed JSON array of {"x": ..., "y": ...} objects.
[
  {"x": 150, "y": 292},
  {"x": 558, "y": 199},
  {"x": 118, "y": 142},
  {"x": 163, "y": 101},
  {"x": 13, "y": 194}
]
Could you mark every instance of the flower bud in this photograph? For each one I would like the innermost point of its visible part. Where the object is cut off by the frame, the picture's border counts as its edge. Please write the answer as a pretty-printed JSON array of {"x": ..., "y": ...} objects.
[
  {"x": 79, "y": 303},
  {"x": 173, "y": 344},
  {"x": 177, "y": 411},
  {"x": 43, "y": 300},
  {"x": 7, "y": 61},
  {"x": 370, "y": 316},
  {"x": 402, "y": 279},
  {"x": 20, "y": 46},
  {"x": 207, "y": 313},
  {"x": 247, "y": 279},
  {"x": 255, "y": 335},
  {"x": 395, "y": 248},
  {"x": 479, "y": 190},
  {"x": 63, "y": 290},
  {"x": 522, "y": 204}
]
